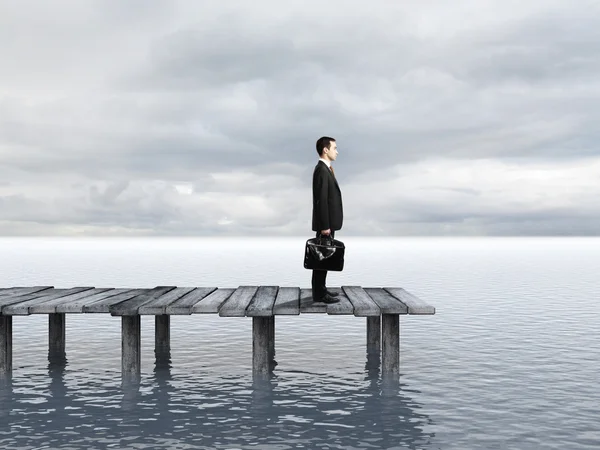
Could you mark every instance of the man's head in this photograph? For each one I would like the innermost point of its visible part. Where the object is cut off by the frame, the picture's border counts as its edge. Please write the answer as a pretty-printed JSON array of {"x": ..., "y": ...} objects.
[{"x": 327, "y": 148}]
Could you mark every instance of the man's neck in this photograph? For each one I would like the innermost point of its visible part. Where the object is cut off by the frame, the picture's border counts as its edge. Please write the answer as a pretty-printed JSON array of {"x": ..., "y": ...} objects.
[{"x": 325, "y": 160}]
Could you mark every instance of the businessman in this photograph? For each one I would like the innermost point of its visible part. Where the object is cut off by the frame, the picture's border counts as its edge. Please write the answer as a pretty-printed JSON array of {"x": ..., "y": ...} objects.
[{"x": 327, "y": 215}]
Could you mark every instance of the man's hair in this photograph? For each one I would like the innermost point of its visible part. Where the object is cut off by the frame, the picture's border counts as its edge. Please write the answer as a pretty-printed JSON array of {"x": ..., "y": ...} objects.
[{"x": 323, "y": 143}]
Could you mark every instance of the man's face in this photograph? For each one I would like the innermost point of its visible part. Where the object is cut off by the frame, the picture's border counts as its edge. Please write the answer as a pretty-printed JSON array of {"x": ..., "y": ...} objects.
[{"x": 332, "y": 151}]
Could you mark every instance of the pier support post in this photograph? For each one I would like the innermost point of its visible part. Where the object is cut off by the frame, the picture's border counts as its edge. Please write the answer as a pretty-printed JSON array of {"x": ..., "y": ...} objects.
[
  {"x": 162, "y": 334},
  {"x": 261, "y": 346},
  {"x": 374, "y": 334},
  {"x": 390, "y": 358},
  {"x": 56, "y": 333},
  {"x": 272, "y": 339},
  {"x": 130, "y": 345},
  {"x": 5, "y": 346}
]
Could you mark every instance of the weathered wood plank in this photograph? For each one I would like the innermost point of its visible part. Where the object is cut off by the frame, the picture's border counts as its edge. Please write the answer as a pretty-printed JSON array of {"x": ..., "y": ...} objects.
[
  {"x": 262, "y": 303},
  {"x": 49, "y": 307},
  {"x": 236, "y": 304},
  {"x": 130, "y": 307},
  {"x": 386, "y": 302},
  {"x": 307, "y": 305},
  {"x": 287, "y": 301},
  {"x": 212, "y": 302},
  {"x": 22, "y": 308},
  {"x": 343, "y": 307},
  {"x": 21, "y": 294},
  {"x": 76, "y": 306},
  {"x": 363, "y": 304},
  {"x": 415, "y": 305},
  {"x": 158, "y": 306},
  {"x": 185, "y": 304},
  {"x": 103, "y": 305},
  {"x": 15, "y": 291}
]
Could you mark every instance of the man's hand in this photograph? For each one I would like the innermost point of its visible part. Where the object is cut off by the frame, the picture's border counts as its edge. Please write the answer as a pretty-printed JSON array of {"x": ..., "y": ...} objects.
[{"x": 326, "y": 232}]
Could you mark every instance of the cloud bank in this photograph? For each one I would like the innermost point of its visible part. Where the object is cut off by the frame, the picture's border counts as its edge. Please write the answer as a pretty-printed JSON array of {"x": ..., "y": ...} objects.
[{"x": 200, "y": 118}]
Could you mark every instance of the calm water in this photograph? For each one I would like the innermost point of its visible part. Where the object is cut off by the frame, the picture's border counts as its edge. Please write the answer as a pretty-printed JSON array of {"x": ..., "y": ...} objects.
[{"x": 510, "y": 360}]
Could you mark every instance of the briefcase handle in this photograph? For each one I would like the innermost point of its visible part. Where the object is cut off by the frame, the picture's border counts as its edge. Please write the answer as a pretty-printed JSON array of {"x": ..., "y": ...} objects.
[{"x": 325, "y": 236}]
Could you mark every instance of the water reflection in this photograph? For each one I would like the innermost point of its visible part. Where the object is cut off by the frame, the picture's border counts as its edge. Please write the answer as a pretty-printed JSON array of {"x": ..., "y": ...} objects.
[
  {"x": 6, "y": 403},
  {"x": 200, "y": 411}
]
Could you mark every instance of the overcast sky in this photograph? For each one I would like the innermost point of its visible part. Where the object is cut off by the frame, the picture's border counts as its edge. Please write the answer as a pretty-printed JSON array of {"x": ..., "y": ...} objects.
[{"x": 141, "y": 117}]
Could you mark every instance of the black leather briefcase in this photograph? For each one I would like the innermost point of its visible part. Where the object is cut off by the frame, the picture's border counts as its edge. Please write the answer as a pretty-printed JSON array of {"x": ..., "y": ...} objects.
[{"x": 324, "y": 253}]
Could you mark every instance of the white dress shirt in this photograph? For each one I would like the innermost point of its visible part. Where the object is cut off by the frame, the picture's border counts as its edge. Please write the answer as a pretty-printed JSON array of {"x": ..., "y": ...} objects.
[{"x": 326, "y": 162}]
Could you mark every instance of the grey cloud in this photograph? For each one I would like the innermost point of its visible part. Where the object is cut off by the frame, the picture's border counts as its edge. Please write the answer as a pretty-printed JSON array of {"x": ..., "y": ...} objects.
[
  {"x": 413, "y": 124},
  {"x": 158, "y": 207},
  {"x": 545, "y": 48},
  {"x": 288, "y": 110},
  {"x": 223, "y": 55},
  {"x": 150, "y": 215},
  {"x": 128, "y": 92}
]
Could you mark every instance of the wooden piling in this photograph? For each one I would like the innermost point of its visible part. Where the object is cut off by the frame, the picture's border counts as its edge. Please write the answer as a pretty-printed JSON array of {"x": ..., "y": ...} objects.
[
  {"x": 261, "y": 345},
  {"x": 56, "y": 333},
  {"x": 5, "y": 345},
  {"x": 390, "y": 334},
  {"x": 130, "y": 345},
  {"x": 271, "y": 338},
  {"x": 162, "y": 333},
  {"x": 374, "y": 334}
]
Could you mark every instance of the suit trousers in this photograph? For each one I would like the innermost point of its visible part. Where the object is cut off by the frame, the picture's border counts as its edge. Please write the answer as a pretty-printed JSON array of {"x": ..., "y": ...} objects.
[{"x": 319, "y": 277}]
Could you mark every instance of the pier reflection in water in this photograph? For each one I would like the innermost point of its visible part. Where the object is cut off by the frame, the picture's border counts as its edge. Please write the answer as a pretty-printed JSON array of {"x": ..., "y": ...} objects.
[{"x": 206, "y": 411}]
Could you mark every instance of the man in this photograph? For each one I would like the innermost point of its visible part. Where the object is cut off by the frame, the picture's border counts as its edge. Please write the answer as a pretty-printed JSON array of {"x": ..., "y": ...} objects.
[{"x": 327, "y": 215}]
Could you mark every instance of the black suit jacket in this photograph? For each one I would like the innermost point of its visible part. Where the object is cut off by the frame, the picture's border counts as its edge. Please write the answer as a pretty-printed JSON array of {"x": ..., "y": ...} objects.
[{"x": 327, "y": 200}]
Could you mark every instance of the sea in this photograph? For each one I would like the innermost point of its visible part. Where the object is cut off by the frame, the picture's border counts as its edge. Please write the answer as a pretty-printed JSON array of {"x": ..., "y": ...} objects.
[{"x": 510, "y": 360}]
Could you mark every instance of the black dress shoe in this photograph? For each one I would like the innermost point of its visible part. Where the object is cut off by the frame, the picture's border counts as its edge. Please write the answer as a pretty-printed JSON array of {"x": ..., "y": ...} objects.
[
  {"x": 326, "y": 299},
  {"x": 333, "y": 294}
]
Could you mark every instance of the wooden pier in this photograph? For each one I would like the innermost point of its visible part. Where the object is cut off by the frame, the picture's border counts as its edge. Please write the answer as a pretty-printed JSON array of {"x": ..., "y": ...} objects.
[{"x": 382, "y": 308}]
